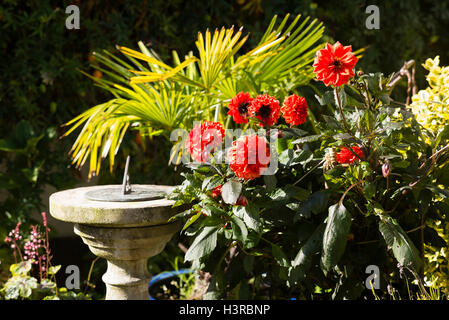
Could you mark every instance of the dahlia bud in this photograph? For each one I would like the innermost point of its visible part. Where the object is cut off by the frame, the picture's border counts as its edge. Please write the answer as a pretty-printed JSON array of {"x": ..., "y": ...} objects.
[
  {"x": 216, "y": 192},
  {"x": 386, "y": 169},
  {"x": 242, "y": 201}
]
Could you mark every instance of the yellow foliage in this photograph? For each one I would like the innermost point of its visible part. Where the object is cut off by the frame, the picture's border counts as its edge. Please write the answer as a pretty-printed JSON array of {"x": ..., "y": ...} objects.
[
  {"x": 431, "y": 105},
  {"x": 431, "y": 108}
]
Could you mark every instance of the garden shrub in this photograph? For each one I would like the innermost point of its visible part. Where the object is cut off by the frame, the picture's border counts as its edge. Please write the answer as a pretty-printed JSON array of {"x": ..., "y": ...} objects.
[
  {"x": 431, "y": 107},
  {"x": 355, "y": 193}
]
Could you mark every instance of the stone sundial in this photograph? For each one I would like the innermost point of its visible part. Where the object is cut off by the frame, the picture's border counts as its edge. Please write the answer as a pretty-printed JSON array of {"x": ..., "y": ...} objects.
[{"x": 125, "y": 224}]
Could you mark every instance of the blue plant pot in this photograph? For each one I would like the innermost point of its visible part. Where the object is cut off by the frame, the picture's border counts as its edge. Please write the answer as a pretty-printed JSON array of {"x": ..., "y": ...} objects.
[{"x": 162, "y": 277}]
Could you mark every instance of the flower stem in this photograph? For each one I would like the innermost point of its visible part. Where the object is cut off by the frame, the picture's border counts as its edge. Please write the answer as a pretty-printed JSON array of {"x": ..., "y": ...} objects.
[
  {"x": 308, "y": 172},
  {"x": 337, "y": 99}
]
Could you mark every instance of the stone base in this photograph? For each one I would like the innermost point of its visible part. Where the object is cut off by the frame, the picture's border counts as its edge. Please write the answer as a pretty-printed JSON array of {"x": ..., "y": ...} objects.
[{"x": 126, "y": 251}]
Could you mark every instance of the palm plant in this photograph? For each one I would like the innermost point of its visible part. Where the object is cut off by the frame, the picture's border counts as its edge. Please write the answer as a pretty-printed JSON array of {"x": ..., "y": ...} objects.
[{"x": 155, "y": 98}]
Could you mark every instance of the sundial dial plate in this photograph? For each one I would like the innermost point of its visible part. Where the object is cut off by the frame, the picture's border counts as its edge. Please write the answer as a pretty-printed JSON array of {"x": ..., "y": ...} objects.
[{"x": 115, "y": 194}]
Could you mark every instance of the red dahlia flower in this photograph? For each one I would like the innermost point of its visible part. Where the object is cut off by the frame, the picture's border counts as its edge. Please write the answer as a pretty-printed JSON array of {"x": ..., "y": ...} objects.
[
  {"x": 238, "y": 107},
  {"x": 249, "y": 156},
  {"x": 266, "y": 109},
  {"x": 294, "y": 110},
  {"x": 334, "y": 65},
  {"x": 346, "y": 156},
  {"x": 204, "y": 138}
]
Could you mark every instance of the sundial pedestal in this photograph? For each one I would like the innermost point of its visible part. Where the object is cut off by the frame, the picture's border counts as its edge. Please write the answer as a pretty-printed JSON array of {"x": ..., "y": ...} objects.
[{"x": 125, "y": 233}]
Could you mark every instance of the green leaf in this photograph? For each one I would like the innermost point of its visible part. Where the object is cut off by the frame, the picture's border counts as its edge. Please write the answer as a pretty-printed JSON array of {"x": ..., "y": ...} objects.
[
  {"x": 239, "y": 230},
  {"x": 21, "y": 268},
  {"x": 47, "y": 285},
  {"x": 54, "y": 269},
  {"x": 332, "y": 122},
  {"x": 310, "y": 247},
  {"x": 316, "y": 203},
  {"x": 335, "y": 236},
  {"x": 211, "y": 182},
  {"x": 403, "y": 248},
  {"x": 286, "y": 157},
  {"x": 251, "y": 242},
  {"x": 250, "y": 215},
  {"x": 369, "y": 190},
  {"x": 442, "y": 135},
  {"x": 270, "y": 182},
  {"x": 180, "y": 215},
  {"x": 279, "y": 256},
  {"x": 204, "y": 243},
  {"x": 441, "y": 192},
  {"x": 20, "y": 286},
  {"x": 343, "y": 98},
  {"x": 369, "y": 121},
  {"x": 303, "y": 260},
  {"x": 191, "y": 220},
  {"x": 32, "y": 173},
  {"x": 293, "y": 132},
  {"x": 20, "y": 139},
  {"x": 230, "y": 191},
  {"x": 326, "y": 98},
  {"x": 308, "y": 139},
  {"x": 289, "y": 192}
]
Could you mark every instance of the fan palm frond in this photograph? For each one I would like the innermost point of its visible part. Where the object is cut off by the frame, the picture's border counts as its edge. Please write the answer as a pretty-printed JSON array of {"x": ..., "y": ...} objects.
[{"x": 150, "y": 94}]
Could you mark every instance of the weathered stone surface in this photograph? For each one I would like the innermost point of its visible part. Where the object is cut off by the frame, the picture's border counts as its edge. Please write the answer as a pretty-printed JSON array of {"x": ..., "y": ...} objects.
[
  {"x": 131, "y": 243},
  {"x": 126, "y": 234},
  {"x": 73, "y": 206},
  {"x": 126, "y": 250}
]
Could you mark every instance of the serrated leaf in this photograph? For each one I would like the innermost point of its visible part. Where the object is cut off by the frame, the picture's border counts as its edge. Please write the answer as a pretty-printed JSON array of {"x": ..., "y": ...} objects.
[
  {"x": 191, "y": 220},
  {"x": 211, "y": 182},
  {"x": 250, "y": 216},
  {"x": 204, "y": 243},
  {"x": 403, "y": 248}
]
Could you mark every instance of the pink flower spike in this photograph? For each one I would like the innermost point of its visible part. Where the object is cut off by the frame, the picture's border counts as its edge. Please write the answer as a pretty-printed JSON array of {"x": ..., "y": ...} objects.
[{"x": 44, "y": 218}]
